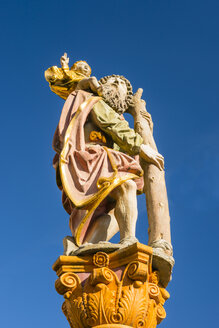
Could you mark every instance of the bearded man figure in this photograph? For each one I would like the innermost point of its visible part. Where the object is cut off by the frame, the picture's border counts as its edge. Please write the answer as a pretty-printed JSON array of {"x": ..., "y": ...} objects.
[{"x": 97, "y": 165}]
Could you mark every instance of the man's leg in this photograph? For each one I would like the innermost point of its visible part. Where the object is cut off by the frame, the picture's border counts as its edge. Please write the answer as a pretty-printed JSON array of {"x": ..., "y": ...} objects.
[
  {"x": 103, "y": 228},
  {"x": 122, "y": 218},
  {"x": 126, "y": 210}
]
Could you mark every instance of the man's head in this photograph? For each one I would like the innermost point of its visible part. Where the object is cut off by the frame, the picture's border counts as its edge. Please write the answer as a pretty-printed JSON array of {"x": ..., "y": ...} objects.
[
  {"x": 82, "y": 67},
  {"x": 117, "y": 92}
]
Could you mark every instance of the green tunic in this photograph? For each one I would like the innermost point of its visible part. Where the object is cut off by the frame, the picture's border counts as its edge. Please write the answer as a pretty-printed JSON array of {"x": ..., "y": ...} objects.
[{"x": 125, "y": 139}]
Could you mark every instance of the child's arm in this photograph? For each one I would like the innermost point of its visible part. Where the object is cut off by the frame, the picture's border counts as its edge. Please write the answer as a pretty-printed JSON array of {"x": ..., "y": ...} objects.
[
  {"x": 64, "y": 60},
  {"x": 89, "y": 83}
]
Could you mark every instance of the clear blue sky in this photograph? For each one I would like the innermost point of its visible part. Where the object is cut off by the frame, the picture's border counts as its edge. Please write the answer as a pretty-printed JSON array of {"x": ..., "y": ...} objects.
[{"x": 170, "y": 49}]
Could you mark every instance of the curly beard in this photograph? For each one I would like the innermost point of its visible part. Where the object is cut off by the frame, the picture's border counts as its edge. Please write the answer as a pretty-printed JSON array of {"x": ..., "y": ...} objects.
[{"x": 112, "y": 97}]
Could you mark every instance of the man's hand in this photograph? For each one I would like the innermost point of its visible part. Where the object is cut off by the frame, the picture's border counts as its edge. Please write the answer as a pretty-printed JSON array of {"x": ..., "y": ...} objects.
[
  {"x": 64, "y": 60},
  {"x": 138, "y": 108},
  {"x": 152, "y": 156},
  {"x": 137, "y": 103}
]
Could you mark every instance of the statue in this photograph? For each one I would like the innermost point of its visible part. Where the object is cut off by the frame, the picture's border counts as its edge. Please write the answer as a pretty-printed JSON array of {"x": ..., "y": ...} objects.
[
  {"x": 102, "y": 164},
  {"x": 63, "y": 81}
]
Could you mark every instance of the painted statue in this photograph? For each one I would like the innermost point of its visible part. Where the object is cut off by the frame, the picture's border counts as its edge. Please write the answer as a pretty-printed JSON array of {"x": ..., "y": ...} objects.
[
  {"x": 102, "y": 164},
  {"x": 63, "y": 81}
]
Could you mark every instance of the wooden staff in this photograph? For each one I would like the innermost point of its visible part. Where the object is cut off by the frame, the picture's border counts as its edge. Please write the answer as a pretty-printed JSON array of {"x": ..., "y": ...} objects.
[{"x": 154, "y": 179}]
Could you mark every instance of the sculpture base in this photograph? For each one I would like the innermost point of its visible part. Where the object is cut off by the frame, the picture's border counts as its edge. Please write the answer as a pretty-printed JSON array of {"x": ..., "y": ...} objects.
[
  {"x": 116, "y": 290},
  {"x": 112, "y": 326}
]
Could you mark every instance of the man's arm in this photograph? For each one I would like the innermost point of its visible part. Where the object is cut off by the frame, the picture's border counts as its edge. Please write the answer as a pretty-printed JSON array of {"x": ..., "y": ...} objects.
[
  {"x": 111, "y": 123},
  {"x": 126, "y": 138}
]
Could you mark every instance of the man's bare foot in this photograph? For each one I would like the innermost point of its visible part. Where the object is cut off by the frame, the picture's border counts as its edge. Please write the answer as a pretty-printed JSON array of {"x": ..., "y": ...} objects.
[{"x": 125, "y": 242}]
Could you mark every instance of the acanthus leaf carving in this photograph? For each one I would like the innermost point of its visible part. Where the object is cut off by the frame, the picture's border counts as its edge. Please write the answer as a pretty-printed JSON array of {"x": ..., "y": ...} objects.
[{"x": 134, "y": 300}]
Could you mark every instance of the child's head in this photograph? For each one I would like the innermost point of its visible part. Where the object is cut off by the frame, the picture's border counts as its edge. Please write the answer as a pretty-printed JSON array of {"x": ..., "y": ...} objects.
[{"x": 82, "y": 67}]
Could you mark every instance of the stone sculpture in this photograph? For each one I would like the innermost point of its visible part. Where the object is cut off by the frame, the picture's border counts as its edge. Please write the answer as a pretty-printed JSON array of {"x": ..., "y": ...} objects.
[
  {"x": 116, "y": 290},
  {"x": 63, "y": 81},
  {"x": 101, "y": 165}
]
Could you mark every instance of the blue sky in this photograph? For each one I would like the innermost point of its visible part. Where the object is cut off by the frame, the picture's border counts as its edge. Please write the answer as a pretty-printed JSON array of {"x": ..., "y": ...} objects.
[{"x": 170, "y": 49}]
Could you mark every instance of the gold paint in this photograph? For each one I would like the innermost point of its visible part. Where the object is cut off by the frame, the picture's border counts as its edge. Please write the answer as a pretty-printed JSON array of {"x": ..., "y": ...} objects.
[
  {"x": 63, "y": 81},
  {"x": 104, "y": 184},
  {"x": 63, "y": 156},
  {"x": 99, "y": 197},
  {"x": 101, "y": 180},
  {"x": 112, "y": 326},
  {"x": 101, "y": 259},
  {"x": 104, "y": 300},
  {"x": 97, "y": 136},
  {"x": 136, "y": 252}
]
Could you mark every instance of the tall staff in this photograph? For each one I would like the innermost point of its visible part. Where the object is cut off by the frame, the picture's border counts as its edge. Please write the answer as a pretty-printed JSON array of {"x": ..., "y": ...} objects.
[{"x": 155, "y": 190}]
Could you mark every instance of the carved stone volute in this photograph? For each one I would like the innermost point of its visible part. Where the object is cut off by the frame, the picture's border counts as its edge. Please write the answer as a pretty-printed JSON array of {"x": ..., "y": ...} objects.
[{"x": 111, "y": 290}]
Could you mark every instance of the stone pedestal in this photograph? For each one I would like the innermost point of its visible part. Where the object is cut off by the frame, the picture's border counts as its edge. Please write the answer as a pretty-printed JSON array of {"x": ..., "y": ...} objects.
[{"x": 116, "y": 290}]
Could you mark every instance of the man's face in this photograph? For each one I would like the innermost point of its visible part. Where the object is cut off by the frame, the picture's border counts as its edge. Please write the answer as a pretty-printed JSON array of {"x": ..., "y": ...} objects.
[
  {"x": 118, "y": 87},
  {"x": 82, "y": 68},
  {"x": 115, "y": 93}
]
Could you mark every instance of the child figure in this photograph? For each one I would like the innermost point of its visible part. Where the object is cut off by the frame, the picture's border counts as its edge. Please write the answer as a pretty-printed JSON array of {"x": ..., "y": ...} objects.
[{"x": 63, "y": 81}]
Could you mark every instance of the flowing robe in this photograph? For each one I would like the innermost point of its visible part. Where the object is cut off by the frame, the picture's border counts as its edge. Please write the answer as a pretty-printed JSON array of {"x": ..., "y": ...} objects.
[{"x": 88, "y": 169}]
